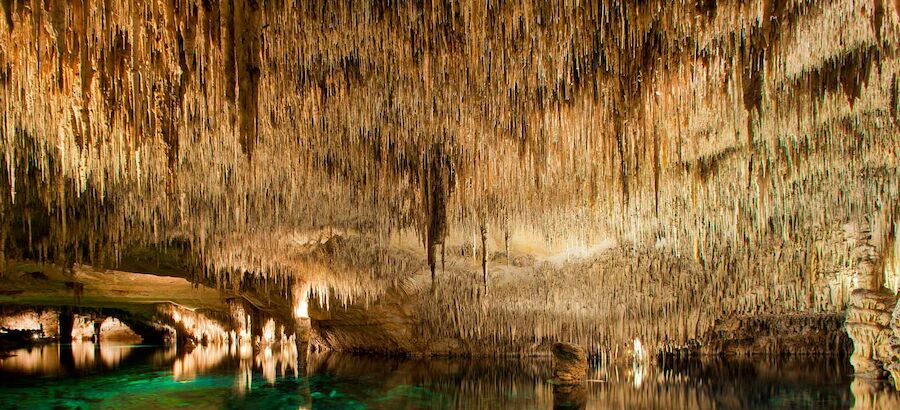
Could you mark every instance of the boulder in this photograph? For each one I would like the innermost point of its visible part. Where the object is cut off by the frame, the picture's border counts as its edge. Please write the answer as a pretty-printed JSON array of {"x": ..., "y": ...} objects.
[{"x": 569, "y": 364}]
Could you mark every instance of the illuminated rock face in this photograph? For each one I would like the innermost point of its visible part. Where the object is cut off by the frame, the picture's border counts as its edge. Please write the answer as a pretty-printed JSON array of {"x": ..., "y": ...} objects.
[
  {"x": 536, "y": 171},
  {"x": 112, "y": 329}
]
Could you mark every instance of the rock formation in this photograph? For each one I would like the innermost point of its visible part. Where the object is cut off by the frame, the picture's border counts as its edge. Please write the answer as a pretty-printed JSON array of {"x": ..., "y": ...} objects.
[
  {"x": 871, "y": 307},
  {"x": 868, "y": 324},
  {"x": 569, "y": 364},
  {"x": 893, "y": 365}
]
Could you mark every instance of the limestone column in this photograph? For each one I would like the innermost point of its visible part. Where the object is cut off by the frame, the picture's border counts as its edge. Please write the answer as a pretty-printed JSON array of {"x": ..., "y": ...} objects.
[
  {"x": 893, "y": 367},
  {"x": 66, "y": 322},
  {"x": 97, "y": 324},
  {"x": 871, "y": 305}
]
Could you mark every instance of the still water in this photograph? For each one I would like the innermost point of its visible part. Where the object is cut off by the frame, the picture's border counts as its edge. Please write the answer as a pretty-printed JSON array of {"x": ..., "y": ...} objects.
[{"x": 109, "y": 376}]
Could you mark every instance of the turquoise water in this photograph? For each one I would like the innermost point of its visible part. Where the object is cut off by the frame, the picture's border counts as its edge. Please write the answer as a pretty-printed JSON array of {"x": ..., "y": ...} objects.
[{"x": 146, "y": 377}]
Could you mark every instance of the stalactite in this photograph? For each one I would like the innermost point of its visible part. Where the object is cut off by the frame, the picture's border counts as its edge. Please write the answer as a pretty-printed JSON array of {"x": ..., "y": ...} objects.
[{"x": 484, "y": 255}]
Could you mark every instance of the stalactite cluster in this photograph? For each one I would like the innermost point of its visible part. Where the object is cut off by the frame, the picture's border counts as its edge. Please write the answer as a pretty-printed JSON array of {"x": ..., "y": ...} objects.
[{"x": 356, "y": 146}]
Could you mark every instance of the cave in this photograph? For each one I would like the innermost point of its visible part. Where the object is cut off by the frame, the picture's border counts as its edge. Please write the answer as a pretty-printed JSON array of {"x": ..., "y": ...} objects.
[{"x": 449, "y": 204}]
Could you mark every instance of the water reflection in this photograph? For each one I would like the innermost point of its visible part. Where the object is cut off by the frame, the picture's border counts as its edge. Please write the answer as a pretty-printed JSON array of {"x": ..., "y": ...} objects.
[
  {"x": 83, "y": 353},
  {"x": 55, "y": 359},
  {"x": 201, "y": 359},
  {"x": 495, "y": 383},
  {"x": 273, "y": 362},
  {"x": 873, "y": 395},
  {"x": 278, "y": 360},
  {"x": 38, "y": 360},
  {"x": 285, "y": 376}
]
